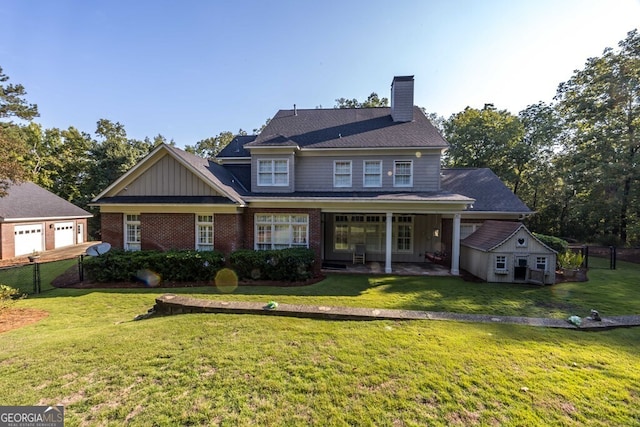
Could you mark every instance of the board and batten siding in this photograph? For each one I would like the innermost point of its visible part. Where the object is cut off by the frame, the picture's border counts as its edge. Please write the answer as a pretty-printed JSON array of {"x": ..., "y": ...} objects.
[
  {"x": 167, "y": 177},
  {"x": 315, "y": 173}
]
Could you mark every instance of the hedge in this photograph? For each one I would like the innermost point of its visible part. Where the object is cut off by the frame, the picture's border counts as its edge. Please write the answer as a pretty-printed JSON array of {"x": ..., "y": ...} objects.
[
  {"x": 557, "y": 244},
  {"x": 172, "y": 266},
  {"x": 289, "y": 265}
]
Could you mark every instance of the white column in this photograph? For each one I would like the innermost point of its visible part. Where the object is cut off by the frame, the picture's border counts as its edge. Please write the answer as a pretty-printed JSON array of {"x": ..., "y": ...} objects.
[
  {"x": 388, "y": 243},
  {"x": 455, "y": 246}
]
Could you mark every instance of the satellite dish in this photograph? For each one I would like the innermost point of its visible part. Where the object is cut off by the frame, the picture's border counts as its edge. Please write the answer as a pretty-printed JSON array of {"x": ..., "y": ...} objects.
[{"x": 98, "y": 249}]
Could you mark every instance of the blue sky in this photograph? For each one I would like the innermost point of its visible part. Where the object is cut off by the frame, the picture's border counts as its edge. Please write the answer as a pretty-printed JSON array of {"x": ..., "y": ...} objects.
[{"x": 191, "y": 69}]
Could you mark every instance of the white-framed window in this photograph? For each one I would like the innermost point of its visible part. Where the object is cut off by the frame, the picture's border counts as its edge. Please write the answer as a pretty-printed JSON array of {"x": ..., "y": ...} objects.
[
  {"x": 403, "y": 231},
  {"x": 342, "y": 173},
  {"x": 372, "y": 173},
  {"x": 467, "y": 229},
  {"x": 132, "y": 240},
  {"x": 273, "y": 172},
  {"x": 541, "y": 263},
  {"x": 204, "y": 232},
  {"x": 280, "y": 231},
  {"x": 403, "y": 173},
  {"x": 501, "y": 263}
]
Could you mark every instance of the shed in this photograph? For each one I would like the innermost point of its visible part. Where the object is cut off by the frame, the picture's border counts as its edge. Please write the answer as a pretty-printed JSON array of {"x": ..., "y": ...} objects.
[
  {"x": 33, "y": 219},
  {"x": 506, "y": 251}
]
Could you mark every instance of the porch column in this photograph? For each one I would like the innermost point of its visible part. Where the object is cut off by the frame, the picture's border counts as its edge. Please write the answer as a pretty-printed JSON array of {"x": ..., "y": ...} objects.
[
  {"x": 455, "y": 246},
  {"x": 388, "y": 245}
]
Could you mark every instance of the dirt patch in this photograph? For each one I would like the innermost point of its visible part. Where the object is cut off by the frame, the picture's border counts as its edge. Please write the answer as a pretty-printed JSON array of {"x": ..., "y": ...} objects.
[{"x": 14, "y": 318}]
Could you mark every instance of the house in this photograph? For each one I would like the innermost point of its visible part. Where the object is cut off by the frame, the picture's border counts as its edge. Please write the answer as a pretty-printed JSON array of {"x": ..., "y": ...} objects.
[
  {"x": 33, "y": 219},
  {"x": 326, "y": 179},
  {"x": 506, "y": 251}
]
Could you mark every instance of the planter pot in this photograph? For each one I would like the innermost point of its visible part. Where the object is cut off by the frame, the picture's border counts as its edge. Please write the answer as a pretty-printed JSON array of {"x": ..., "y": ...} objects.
[{"x": 569, "y": 272}]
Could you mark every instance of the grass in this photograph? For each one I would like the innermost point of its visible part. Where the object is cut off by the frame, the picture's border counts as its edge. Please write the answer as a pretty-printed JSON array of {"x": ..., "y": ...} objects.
[
  {"x": 22, "y": 277},
  {"x": 253, "y": 370}
]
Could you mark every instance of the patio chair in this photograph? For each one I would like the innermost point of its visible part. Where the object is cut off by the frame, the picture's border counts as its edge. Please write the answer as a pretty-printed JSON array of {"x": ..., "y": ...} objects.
[{"x": 359, "y": 254}]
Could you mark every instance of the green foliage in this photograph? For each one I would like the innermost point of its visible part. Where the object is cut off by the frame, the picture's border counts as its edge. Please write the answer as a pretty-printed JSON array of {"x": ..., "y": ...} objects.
[
  {"x": 210, "y": 147},
  {"x": 557, "y": 244},
  {"x": 570, "y": 259},
  {"x": 7, "y": 296},
  {"x": 171, "y": 266},
  {"x": 372, "y": 101},
  {"x": 287, "y": 265}
]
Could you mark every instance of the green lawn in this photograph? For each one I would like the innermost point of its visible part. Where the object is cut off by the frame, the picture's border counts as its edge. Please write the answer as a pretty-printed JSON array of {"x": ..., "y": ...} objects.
[{"x": 208, "y": 369}]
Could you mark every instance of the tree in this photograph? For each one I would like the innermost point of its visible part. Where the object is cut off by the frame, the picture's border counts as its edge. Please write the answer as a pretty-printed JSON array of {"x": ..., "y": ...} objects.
[
  {"x": 210, "y": 147},
  {"x": 13, "y": 148},
  {"x": 487, "y": 138},
  {"x": 601, "y": 107},
  {"x": 372, "y": 101}
]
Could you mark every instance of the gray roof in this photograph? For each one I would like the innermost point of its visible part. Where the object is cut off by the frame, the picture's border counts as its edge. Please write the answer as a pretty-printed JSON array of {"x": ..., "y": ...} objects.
[
  {"x": 481, "y": 184},
  {"x": 491, "y": 234},
  {"x": 30, "y": 201},
  {"x": 348, "y": 128},
  {"x": 236, "y": 147}
]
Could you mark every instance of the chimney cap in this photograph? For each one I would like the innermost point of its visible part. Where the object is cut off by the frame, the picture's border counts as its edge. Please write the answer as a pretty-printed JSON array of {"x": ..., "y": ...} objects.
[{"x": 402, "y": 78}]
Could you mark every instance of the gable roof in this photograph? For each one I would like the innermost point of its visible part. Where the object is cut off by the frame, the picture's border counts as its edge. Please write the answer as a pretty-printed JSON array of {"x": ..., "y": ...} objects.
[
  {"x": 492, "y": 234},
  {"x": 347, "y": 128},
  {"x": 236, "y": 147},
  {"x": 28, "y": 201},
  {"x": 209, "y": 171},
  {"x": 481, "y": 184}
]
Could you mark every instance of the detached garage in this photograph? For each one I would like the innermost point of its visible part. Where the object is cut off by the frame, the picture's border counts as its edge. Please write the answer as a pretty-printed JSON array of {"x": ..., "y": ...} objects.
[
  {"x": 33, "y": 219},
  {"x": 505, "y": 251}
]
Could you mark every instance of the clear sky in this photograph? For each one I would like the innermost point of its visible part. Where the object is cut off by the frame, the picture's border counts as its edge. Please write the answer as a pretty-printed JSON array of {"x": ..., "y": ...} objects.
[{"x": 191, "y": 69}]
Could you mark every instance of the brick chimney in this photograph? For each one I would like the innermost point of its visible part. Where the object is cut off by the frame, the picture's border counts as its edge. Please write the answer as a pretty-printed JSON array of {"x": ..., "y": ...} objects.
[{"x": 402, "y": 99}]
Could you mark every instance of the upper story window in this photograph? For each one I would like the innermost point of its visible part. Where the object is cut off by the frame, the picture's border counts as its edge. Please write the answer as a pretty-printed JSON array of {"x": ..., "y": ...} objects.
[
  {"x": 342, "y": 173},
  {"x": 372, "y": 170},
  {"x": 204, "y": 232},
  {"x": 402, "y": 173},
  {"x": 273, "y": 172},
  {"x": 132, "y": 233}
]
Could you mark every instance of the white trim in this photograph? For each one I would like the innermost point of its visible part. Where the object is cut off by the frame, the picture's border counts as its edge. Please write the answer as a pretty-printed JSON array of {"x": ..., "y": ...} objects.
[
  {"x": 395, "y": 174},
  {"x": 335, "y": 165},
  {"x": 125, "y": 239},
  {"x": 199, "y": 224},
  {"x": 364, "y": 174},
  {"x": 272, "y": 172},
  {"x": 272, "y": 231}
]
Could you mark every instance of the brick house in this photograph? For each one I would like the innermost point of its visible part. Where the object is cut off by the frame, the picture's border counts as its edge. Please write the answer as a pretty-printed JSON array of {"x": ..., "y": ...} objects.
[{"x": 328, "y": 179}]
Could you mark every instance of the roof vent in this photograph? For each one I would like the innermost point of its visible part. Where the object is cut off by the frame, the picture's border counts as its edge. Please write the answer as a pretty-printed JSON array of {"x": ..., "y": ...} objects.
[
  {"x": 295, "y": 110},
  {"x": 402, "y": 99}
]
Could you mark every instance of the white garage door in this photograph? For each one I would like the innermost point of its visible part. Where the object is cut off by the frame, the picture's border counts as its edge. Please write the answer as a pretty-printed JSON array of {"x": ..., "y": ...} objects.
[
  {"x": 28, "y": 238},
  {"x": 63, "y": 235}
]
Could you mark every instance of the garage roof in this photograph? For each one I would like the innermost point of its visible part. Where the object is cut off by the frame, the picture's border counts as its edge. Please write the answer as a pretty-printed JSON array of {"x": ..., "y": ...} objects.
[{"x": 28, "y": 201}]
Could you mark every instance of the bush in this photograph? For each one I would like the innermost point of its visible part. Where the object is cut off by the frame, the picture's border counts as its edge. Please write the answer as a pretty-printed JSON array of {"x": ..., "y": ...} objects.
[
  {"x": 171, "y": 266},
  {"x": 570, "y": 260},
  {"x": 557, "y": 244},
  {"x": 7, "y": 296},
  {"x": 289, "y": 265}
]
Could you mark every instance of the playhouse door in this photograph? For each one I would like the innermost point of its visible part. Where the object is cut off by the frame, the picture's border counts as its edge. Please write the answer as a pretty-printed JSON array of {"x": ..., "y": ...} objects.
[{"x": 520, "y": 270}]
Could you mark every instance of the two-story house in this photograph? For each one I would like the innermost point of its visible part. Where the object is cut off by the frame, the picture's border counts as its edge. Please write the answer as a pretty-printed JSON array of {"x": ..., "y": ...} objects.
[{"x": 328, "y": 179}]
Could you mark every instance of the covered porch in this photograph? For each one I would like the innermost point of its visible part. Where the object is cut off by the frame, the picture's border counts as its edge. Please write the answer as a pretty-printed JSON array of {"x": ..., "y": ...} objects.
[{"x": 397, "y": 268}]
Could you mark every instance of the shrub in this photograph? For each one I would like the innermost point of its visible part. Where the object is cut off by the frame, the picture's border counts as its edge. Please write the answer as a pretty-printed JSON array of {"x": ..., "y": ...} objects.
[
  {"x": 7, "y": 296},
  {"x": 557, "y": 244},
  {"x": 570, "y": 260},
  {"x": 289, "y": 265},
  {"x": 171, "y": 266}
]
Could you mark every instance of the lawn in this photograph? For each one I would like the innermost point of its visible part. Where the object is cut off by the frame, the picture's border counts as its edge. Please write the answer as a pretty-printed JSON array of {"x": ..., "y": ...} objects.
[{"x": 206, "y": 369}]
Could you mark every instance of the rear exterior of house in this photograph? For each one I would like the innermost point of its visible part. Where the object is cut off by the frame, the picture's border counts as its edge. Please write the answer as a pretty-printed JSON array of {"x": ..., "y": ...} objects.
[
  {"x": 33, "y": 219},
  {"x": 326, "y": 179}
]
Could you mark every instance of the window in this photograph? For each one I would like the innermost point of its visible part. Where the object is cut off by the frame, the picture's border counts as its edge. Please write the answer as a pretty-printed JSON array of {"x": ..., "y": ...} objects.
[
  {"x": 273, "y": 172},
  {"x": 402, "y": 173},
  {"x": 372, "y": 170},
  {"x": 541, "y": 263},
  {"x": 370, "y": 230},
  {"x": 467, "y": 229},
  {"x": 279, "y": 231},
  {"x": 132, "y": 233},
  {"x": 501, "y": 263},
  {"x": 342, "y": 173},
  {"x": 204, "y": 232}
]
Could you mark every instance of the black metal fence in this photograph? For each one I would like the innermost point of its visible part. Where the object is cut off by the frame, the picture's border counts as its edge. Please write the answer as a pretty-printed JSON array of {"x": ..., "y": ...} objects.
[
  {"x": 36, "y": 277},
  {"x": 610, "y": 253}
]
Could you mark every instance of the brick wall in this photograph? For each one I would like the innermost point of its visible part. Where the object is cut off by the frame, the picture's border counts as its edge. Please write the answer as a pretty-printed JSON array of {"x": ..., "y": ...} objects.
[
  {"x": 7, "y": 245},
  {"x": 112, "y": 225},
  {"x": 228, "y": 233},
  {"x": 167, "y": 231}
]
